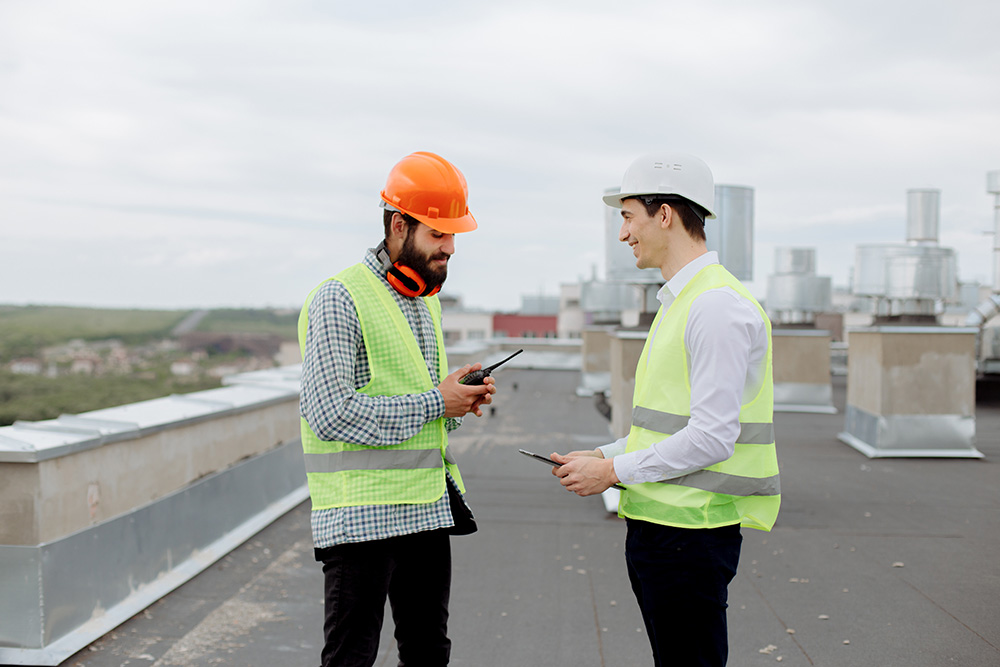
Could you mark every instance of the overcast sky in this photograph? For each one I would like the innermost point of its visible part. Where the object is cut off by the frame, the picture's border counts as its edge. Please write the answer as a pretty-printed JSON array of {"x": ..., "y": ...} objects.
[{"x": 230, "y": 153}]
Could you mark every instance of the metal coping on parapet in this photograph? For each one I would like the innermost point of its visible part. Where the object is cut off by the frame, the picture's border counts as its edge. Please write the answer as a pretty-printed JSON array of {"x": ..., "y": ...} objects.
[{"x": 74, "y": 433}]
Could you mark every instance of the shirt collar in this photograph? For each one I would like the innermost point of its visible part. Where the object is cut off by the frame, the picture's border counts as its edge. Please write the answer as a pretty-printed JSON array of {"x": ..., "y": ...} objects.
[
  {"x": 673, "y": 287},
  {"x": 377, "y": 266}
]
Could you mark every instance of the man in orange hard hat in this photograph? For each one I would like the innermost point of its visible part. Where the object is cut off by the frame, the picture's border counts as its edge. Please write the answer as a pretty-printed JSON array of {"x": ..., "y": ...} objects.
[{"x": 377, "y": 404}]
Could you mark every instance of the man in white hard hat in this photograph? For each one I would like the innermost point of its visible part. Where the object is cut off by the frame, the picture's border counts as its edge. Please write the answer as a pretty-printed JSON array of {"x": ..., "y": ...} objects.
[{"x": 699, "y": 461}]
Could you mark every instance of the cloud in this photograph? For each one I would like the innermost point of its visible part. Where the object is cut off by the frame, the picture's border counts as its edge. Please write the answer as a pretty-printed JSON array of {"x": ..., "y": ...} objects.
[{"x": 239, "y": 147}]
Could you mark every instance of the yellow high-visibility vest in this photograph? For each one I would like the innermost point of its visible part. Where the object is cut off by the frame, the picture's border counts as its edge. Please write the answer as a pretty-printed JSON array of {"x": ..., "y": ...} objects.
[
  {"x": 344, "y": 474},
  {"x": 744, "y": 488}
]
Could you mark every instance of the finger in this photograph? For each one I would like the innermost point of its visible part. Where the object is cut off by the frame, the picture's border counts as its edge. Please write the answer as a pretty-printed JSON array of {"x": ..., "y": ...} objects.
[
  {"x": 559, "y": 458},
  {"x": 465, "y": 370}
]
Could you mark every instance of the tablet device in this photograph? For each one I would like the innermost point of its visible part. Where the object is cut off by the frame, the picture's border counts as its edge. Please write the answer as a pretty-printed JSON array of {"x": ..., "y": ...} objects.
[
  {"x": 543, "y": 459},
  {"x": 539, "y": 457}
]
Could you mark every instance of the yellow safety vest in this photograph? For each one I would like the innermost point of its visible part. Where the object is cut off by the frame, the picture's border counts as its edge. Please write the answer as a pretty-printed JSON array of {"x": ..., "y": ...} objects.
[
  {"x": 744, "y": 488},
  {"x": 344, "y": 474}
]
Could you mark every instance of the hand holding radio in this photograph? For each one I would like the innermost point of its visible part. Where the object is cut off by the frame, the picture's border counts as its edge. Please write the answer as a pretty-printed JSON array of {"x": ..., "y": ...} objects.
[
  {"x": 478, "y": 376},
  {"x": 461, "y": 399}
]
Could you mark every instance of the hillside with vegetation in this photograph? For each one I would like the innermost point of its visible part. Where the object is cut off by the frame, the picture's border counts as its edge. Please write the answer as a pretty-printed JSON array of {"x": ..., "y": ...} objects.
[
  {"x": 26, "y": 329},
  {"x": 56, "y": 359}
]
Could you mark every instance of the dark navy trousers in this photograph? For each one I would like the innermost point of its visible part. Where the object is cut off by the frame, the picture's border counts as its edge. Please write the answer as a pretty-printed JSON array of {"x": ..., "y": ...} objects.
[
  {"x": 414, "y": 572},
  {"x": 680, "y": 577}
]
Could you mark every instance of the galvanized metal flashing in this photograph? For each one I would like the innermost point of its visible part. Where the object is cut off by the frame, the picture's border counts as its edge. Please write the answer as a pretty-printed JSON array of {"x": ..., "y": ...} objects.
[
  {"x": 804, "y": 397},
  {"x": 934, "y": 436},
  {"x": 60, "y": 596},
  {"x": 31, "y": 442}
]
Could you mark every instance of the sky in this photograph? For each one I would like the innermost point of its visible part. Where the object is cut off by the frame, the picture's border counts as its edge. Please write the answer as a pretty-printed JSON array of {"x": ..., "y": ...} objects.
[{"x": 230, "y": 153}]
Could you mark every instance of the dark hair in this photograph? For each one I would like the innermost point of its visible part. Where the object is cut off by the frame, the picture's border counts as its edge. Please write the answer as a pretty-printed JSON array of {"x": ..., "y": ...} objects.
[
  {"x": 692, "y": 215},
  {"x": 387, "y": 221}
]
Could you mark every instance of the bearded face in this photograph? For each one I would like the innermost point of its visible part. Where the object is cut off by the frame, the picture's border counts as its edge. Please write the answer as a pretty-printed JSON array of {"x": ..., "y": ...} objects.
[{"x": 431, "y": 265}]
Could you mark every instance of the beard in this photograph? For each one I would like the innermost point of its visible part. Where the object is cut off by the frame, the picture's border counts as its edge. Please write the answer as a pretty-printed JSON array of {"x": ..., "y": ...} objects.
[{"x": 419, "y": 262}]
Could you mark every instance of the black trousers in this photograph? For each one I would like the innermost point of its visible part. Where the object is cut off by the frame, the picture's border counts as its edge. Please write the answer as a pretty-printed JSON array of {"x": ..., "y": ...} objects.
[
  {"x": 680, "y": 577},
  {"x": 414, "y": 572}
]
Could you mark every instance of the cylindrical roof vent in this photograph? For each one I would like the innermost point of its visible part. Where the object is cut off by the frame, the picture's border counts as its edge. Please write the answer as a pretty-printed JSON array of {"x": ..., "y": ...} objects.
[
  {"x": 795, "y": 260},
  {"x": 923, "y": 208},
  {"x": 993, "y": 187},
  {"x": 731, "y": 233}
]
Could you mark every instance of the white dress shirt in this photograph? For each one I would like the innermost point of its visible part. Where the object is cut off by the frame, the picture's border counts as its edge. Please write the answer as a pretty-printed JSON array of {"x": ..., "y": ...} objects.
[{"x": 726, "y": 341}]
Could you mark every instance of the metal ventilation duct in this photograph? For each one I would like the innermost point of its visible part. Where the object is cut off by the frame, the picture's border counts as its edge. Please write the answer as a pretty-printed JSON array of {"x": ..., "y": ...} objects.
[
  {"x": 795, "y": 260},
  {"x": 794, "y": 292},
  {"x": 988, "y": 340},
  {"x": 922, "y": 216},
  {"x": 989, "y": 308},
  {"x": 911, "y": 279},
  {"x": 993, "y": 187},
  {"x": 731, "y": 233}
]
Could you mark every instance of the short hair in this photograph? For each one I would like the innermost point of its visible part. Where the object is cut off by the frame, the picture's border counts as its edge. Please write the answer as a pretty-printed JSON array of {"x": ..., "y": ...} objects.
[
  {"x": 692, "y": 216},
  {"x": 387, "y": 221}
]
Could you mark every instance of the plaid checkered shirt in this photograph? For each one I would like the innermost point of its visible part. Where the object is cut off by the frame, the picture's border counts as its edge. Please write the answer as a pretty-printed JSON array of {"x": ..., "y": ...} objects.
[{"x": 334, "y": 368}]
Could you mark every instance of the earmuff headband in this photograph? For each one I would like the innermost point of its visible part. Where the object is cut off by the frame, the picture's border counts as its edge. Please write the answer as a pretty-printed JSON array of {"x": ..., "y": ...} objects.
[{"x": 408, "y": 282}]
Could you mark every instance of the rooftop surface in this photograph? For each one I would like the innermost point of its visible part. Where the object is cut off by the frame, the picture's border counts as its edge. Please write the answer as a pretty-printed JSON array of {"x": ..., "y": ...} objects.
[{"x": 872, "y": 561}]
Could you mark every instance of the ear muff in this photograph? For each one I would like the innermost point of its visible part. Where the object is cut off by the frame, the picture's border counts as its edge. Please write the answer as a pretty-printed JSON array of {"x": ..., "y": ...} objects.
[{"x": 408, "y": 282}]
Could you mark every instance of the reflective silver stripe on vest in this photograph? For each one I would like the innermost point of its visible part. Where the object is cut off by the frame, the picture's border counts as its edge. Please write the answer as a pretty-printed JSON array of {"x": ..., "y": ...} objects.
[
  {"x": 731, "y": 485},
  {"x": 375, "y": 459},
  {"x": 665, "y": 422}
]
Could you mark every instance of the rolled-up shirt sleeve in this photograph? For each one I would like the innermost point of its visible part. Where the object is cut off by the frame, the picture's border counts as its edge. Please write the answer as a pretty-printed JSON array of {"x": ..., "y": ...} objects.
[{"x": 333, "y": 370}]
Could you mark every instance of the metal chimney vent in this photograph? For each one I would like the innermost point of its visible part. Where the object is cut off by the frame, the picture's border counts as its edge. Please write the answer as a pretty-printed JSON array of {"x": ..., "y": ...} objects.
[
  {"x": 908, "y": 281},
  {"x": 993, "y": 187},
  {"x": 794, "y": 292}
]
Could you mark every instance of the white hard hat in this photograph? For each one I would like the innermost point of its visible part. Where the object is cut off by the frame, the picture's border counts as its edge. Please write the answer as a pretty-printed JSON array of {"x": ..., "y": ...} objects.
[{"x": 676, "y": 174}]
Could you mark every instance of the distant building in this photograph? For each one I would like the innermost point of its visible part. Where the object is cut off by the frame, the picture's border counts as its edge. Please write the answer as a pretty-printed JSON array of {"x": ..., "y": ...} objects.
[
  {"x": 571, "y": 316},
  {"x": 539, "y": 304},
  {"x": 85, "y": 364},
  {"x": 26, "y": 367},
  {"x": 460, "y": 324},
  {"x": 223, "y": 370},
  {"x": 515, "y": 325},
  {"x": 183, "y": 367},
  {"x": 254, "y": 344}
]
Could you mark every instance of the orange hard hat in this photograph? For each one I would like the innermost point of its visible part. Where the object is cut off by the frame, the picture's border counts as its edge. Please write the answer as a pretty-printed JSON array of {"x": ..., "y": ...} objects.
[{"x": 432, "y": 190}]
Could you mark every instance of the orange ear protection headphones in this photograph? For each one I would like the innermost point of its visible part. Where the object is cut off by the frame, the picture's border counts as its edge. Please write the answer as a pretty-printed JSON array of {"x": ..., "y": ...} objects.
[
  {"x": 408, "y": 282},
  {"x": 403, "y": 278}
]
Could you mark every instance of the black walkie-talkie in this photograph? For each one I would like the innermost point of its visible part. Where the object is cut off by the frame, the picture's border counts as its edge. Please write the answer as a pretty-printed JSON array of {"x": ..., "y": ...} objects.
[{"x": 477, "y": 377}]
